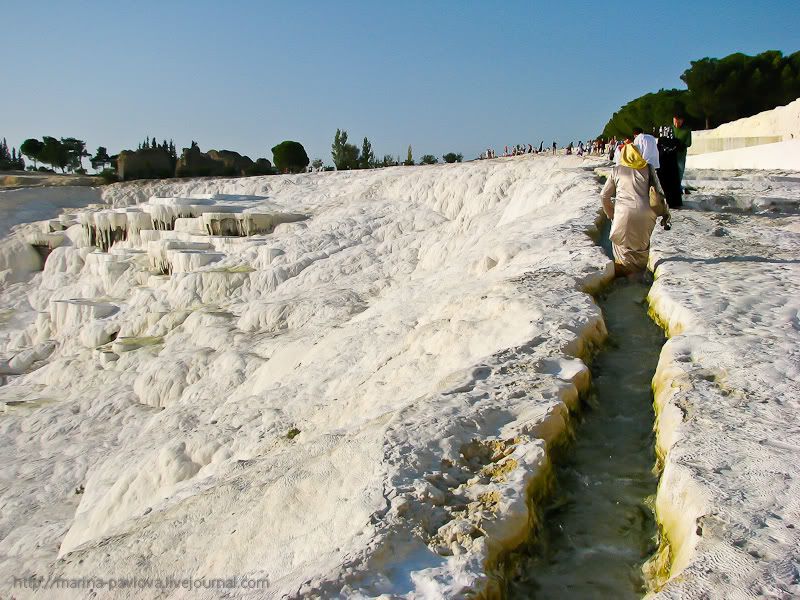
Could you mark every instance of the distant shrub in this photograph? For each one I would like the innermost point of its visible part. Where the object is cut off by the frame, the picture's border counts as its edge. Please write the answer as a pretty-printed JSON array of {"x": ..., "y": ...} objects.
[
  {"x": 428, "y": 159},
  {"x": 108, "y": 176},
  {"x": 261, "y": 167},
  {"x": 452, "y": 157},
  {"x": 290, "y": 157}
]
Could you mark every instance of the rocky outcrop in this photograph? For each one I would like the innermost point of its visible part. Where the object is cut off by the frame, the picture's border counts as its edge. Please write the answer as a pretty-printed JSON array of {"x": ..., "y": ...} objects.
[
  {"x": 219, "y": 163},
  {"x": 148, "y": 163}
]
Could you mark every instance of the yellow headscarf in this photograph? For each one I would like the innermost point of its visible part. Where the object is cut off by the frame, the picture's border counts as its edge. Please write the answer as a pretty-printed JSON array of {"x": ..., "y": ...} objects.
[{"x": 631, "y": 157}]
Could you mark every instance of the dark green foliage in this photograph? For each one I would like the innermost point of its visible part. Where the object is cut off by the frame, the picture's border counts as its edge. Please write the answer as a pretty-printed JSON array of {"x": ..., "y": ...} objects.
[
  {"x": 108, "y": 175},
  {"x": 345, "y": 156},
  {"x": 428, "y": 159},
  {"x": 32, "y": 148},
  {"x": 76, "y": 151},
  {"x": 317, "y": 164},
  {"x": 9, "y": 160},
  {"x": 367, "y": 159},
  {"x": 648, "y": 112},
  {"x": 63, "y": 153},
  {"x": 726, "y": 89},
  {"x": 261, "y": 167},
  {"x": 452, "y": 157},
  {"x": 293, "y": 433},
  {"x": 409, "y": 161},
  {"x": 719, "y": 91},
  {"x": 389, "y": 161},
  {"x": 55, "y": 153},
  {"x": 100, "y": 159},
  {"x": 290, "y": 157}
]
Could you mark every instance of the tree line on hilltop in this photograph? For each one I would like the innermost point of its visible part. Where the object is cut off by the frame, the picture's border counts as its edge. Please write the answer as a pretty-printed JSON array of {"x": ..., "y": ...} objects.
[
  {"x": 718, "y": 91},
  {"x": 159, "y": 160},
  {"x": 348, "y": 156}
]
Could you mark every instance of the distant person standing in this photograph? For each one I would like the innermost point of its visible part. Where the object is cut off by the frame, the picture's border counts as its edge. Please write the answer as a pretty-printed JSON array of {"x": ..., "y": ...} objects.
[
  {"x": 647, "y": 145},
  {"x": 683, "y": 135},
  {"x": 612, "y": 147},
  {"x": 554, "y": 147}
]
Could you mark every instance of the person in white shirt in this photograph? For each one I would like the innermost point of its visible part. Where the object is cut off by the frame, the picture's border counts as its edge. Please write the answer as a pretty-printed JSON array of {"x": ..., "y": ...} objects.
[{"x": 647, "y": 146}]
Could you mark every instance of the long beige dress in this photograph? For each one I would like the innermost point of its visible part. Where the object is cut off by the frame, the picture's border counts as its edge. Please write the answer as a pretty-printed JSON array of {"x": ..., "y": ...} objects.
[{"x": 632, "y": 219}]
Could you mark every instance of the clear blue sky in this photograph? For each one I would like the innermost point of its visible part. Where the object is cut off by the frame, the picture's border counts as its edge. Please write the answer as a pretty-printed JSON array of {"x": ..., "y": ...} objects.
[{"x": 442, "y": 76}]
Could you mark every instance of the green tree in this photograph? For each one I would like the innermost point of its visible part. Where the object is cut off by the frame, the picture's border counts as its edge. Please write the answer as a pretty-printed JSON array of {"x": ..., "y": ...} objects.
[
  {"x": 409, "y": 161},
  {"x": 290, "y": 157},
  {"x": 8, "y": 160},
  {"x": 317, "y": 164},
  {"x": 719, "y": 90},
  {"x": 428, "y": 159},
  {"x": 367, "y": 159},
  {"x": 55, "y": 153},
  {"x": 452, "y": 157},
  {"x": 345, "y": 156},
  {"x": 648, "y": 112},
  {"x": 32, "y": 148},
  {"x": 100, "y": 159},
  {"x": 738, "y": 85},
  {"x": 76, "y": 151}
]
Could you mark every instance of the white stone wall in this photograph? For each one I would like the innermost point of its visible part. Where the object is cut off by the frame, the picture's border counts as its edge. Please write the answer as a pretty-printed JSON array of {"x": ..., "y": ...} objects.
[{"x": 776, "y": 125}]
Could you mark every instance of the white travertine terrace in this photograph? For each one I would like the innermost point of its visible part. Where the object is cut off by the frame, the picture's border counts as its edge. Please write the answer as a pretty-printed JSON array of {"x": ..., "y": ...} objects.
[{"x": 357, "y": 404}]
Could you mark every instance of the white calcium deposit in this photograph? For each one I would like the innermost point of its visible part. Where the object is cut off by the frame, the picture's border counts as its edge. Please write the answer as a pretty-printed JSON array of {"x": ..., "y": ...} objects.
[
  {"x": 337, "y": 383},
  {"x": 344, "y": 384},
  {"x": 728, "y": 387}
]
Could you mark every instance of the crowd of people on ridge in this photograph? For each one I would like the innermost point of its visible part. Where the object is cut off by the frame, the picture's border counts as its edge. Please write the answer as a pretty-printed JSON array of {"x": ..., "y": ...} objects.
[{"x": 592, "y": 147}]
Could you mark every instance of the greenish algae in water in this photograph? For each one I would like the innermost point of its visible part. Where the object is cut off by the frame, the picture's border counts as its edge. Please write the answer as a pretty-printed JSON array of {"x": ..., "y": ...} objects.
[{"x": 598, "y": 529}]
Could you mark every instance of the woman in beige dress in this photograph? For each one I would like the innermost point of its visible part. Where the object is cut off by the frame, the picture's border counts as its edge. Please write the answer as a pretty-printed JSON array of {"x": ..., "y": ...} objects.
[{"x": 632, "y": 219}]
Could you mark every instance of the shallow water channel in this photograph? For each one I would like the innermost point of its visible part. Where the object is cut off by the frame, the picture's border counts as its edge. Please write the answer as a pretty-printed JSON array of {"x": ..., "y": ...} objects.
[{"x": 598, "y": 528}]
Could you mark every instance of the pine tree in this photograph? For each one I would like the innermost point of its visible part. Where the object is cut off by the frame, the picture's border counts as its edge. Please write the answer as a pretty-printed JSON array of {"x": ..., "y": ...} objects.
[{"x": 367, "y": 160}]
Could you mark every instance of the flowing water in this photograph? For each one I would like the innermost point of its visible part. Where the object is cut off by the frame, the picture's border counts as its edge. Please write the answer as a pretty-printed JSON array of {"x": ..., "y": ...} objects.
[{"x": 598, "y": 529}]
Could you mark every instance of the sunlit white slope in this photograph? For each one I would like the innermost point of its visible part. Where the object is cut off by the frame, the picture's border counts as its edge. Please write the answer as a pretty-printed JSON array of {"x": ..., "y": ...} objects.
[
  {"x": 419, "y": 328},
  {"x": 728, "y": 388}
]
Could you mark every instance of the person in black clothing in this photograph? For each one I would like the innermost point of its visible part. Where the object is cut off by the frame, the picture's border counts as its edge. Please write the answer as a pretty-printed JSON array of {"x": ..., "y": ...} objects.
[{"x": 668, "y": 171}]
